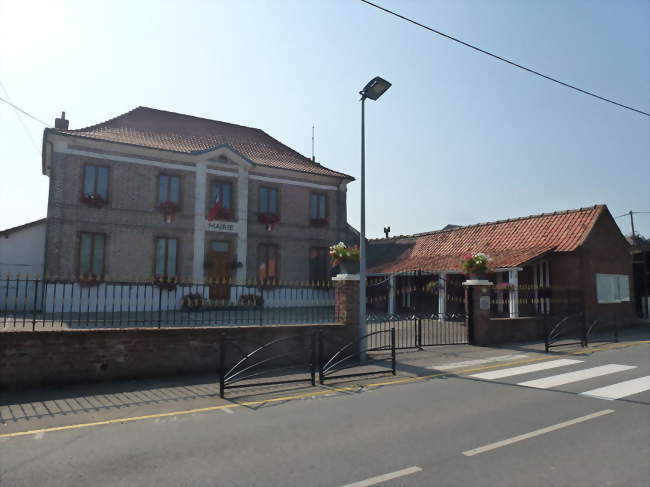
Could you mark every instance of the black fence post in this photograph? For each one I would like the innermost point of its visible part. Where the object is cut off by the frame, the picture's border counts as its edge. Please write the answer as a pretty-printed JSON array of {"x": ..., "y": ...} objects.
[
  {"x": 159, "y": 306},
  {"x": 585, "y": 338},
  {"x": 35, "y": 304},
  {"x": 392, "y": 349},
  {"x": 312, "y": 368},
  {"x": 546, "y": 331},
  {"x": 321, "y": 376},
  {"x": 419, "y": 333},
  {"x": 222, "y": 366},
  {"x": 261, "y": 304}
]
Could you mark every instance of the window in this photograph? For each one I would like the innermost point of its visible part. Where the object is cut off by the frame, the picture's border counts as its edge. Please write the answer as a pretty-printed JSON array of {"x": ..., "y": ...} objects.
[
  {"x": 318, "y": 206},
  {"x": 220, "y": 201},
  {"x": 267, "y": 262},
  {"x": 318, "y": 264},
  {"x": 612, "y": 288},
  {"x": 222, "y": 191},
  {"x": 268, "y": 200},
  {"x": 169, "y": 189},
  {"x": 91, "y": 254},
  {"x": 166, "y": 254},
  {"x": 95, "y": 181}
]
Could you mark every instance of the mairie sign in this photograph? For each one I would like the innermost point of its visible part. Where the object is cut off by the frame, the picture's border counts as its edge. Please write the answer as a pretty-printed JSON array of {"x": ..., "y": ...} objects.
[{"x": 221, "y": 226}]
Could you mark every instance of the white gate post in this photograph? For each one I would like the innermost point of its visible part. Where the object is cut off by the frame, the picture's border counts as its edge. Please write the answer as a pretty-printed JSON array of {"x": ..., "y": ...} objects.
[{"x": 513, "y": 280}]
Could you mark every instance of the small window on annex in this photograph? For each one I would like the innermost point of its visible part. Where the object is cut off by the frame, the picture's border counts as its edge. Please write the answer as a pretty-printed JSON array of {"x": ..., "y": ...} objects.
[{"x": 612, "y": 288}]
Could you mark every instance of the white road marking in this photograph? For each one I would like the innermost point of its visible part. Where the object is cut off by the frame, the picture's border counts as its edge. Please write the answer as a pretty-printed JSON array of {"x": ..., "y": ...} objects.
[
  {"x": 569, "y": 377},
  {"x": 228, "y": 410},
  {"x": 532, "y": 434},
  {"x": 525, "y": 369},
  {"x": 470, "y": 363},
  {"x": 622, "y": 389},
  {"x": 385, "y": 477}
]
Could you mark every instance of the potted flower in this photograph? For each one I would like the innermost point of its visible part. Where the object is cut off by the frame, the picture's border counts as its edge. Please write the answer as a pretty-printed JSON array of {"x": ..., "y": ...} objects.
[
  {"x": 476, "y": 265},
  {"x": 343, "y": 256},
  {"x": 431, "y": 286}
]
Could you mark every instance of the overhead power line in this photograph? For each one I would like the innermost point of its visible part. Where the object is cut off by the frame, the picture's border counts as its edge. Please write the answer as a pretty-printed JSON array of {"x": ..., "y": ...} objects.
[
  {"x": 22, "y": 111},
  {"x": 512, "y": 63}
]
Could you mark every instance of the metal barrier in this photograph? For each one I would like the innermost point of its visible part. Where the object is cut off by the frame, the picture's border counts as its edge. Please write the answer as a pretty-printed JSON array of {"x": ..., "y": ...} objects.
[
  {"x": 246, "y": 368},
  {"x": 565, "y": 329},
  {"x": 598, "y": 325},
  {"x": 343, "y": 358}
]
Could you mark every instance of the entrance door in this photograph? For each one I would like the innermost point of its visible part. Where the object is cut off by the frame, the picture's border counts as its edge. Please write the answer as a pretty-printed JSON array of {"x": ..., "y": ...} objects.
[{"x": 220, "y": 269}]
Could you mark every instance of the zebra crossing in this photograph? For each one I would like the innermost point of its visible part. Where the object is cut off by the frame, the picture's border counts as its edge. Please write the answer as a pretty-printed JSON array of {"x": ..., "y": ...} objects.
[{"x": 579, "y": 373}]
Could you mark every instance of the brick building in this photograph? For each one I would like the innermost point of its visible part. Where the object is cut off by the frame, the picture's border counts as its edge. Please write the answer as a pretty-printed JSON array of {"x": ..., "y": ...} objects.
[
  {"x": 152, "y": 192},
  {"x": 542, "y": 264}
]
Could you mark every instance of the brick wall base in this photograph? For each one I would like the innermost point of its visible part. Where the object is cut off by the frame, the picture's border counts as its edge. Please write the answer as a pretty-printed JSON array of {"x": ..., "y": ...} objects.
[{"x": 60, "y": 357}]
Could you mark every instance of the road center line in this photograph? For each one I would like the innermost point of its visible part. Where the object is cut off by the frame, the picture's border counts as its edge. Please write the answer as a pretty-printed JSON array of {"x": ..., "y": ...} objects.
[
  {"x": 532, "y": 434},
  {"x": 383, "y": 478}
]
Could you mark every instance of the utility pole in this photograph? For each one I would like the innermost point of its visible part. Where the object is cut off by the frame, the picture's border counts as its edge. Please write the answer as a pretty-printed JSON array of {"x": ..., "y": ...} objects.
[{"x": 632, "y": 222}]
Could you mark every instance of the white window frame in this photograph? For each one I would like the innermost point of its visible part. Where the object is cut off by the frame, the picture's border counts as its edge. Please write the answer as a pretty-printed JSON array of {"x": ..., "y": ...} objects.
[{"x": 612, "y": 288}]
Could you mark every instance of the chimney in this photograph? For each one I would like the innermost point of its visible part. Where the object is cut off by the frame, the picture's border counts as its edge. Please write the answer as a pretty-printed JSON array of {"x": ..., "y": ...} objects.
[
  {"x": 387, "y": 231},
  {"x": 61, "y": 123}
]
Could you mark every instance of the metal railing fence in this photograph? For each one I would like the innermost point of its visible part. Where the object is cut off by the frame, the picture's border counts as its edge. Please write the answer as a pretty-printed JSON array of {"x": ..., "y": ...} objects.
[{"x": 46, "y": 304}]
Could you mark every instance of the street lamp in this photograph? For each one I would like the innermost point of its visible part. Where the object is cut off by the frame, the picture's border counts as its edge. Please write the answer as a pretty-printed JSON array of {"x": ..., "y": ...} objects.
[{"x": 373, "y": 90}]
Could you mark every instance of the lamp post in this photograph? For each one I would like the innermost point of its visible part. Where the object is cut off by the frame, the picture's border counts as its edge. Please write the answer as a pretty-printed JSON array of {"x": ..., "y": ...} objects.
[{"x": 373, "y": 90}]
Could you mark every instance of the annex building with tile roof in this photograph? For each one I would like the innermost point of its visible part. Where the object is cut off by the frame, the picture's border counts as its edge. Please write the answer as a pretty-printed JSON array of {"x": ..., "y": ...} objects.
[
  {"x": 541, "y": 264},
  {"x": 152, "y": 192}
]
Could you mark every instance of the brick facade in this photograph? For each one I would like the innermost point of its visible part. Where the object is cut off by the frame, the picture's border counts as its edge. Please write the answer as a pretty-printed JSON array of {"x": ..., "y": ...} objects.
[{"x": 131, "y": 221}]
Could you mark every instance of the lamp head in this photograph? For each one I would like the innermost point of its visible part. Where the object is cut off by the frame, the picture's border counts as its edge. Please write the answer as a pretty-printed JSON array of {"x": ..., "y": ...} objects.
[{"x": 375, "y": 88}]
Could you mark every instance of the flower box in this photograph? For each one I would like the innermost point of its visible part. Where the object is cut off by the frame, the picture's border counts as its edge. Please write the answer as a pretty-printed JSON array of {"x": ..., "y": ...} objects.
[
  {"x": 476, "y": 265},
  {"x": 169, "y": 210},
  {"x": 165, "y": 283},
  {"x": 268, "y": 219},
  {"x": 319, "y": 222},
  {"x": 93, "y": 200},
  {"x": 344, "y": 256}
]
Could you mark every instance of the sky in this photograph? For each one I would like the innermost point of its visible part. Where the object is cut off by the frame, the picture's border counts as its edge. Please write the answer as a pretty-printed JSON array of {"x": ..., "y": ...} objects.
[{"x": 459, "y": 138}]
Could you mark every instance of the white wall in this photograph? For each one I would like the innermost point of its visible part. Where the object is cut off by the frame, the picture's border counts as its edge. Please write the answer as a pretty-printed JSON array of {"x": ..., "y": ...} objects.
[{"x": 23, "y": 251}]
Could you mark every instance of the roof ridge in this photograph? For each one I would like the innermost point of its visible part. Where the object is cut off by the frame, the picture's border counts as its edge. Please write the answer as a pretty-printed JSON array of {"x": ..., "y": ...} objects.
[
  {"x": 529, "y": 217},
  {"x": 142, "y": 107}
]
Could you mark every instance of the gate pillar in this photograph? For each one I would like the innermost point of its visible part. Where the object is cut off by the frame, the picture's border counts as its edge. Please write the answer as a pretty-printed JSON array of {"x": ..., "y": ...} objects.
[
  {"x": 477, "y": 308},
  {"x": 346, "y": 299}
]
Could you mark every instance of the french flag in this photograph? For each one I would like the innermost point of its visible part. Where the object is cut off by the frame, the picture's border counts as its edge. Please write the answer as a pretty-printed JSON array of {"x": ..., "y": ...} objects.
[{"x": 214, "y": 211}]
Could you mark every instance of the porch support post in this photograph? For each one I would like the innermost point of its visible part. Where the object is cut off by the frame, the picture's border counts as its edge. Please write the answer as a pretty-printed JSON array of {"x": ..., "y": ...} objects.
[
  {"x": 391, "y": 294},
  {"x": 242, "y": 217},
  {"x": 442, "y": 292},
  {"x": 513, "y": 280},
  {"x": 499, "y": 292},
  {"x": 200, "y": 182}
]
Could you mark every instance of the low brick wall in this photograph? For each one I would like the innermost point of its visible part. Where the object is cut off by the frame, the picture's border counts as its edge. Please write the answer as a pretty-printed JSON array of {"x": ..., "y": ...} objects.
[
  {"x": 512, "y": 330},
  {"x": 59, "y": 357}
]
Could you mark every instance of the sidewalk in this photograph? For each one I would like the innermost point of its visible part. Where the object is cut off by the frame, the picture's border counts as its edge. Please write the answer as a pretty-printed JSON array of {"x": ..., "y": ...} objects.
[{"x": 88, "y": 403}]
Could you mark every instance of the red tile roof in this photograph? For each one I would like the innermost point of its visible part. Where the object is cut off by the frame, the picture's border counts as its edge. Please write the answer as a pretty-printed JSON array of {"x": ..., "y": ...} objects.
[
  {"x": 510, "y": 243},
  {"x": 159, "y": 129}
]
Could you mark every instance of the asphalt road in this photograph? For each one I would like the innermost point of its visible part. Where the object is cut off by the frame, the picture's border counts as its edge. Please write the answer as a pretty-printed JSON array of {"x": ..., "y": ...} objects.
[{"x": 446, "y": 431}]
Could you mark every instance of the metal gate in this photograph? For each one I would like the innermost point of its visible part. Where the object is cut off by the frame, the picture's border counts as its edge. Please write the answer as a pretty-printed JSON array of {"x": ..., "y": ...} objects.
[
  {"x": 415, "y": 312},
  {"x": 418, "y": 330}
]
